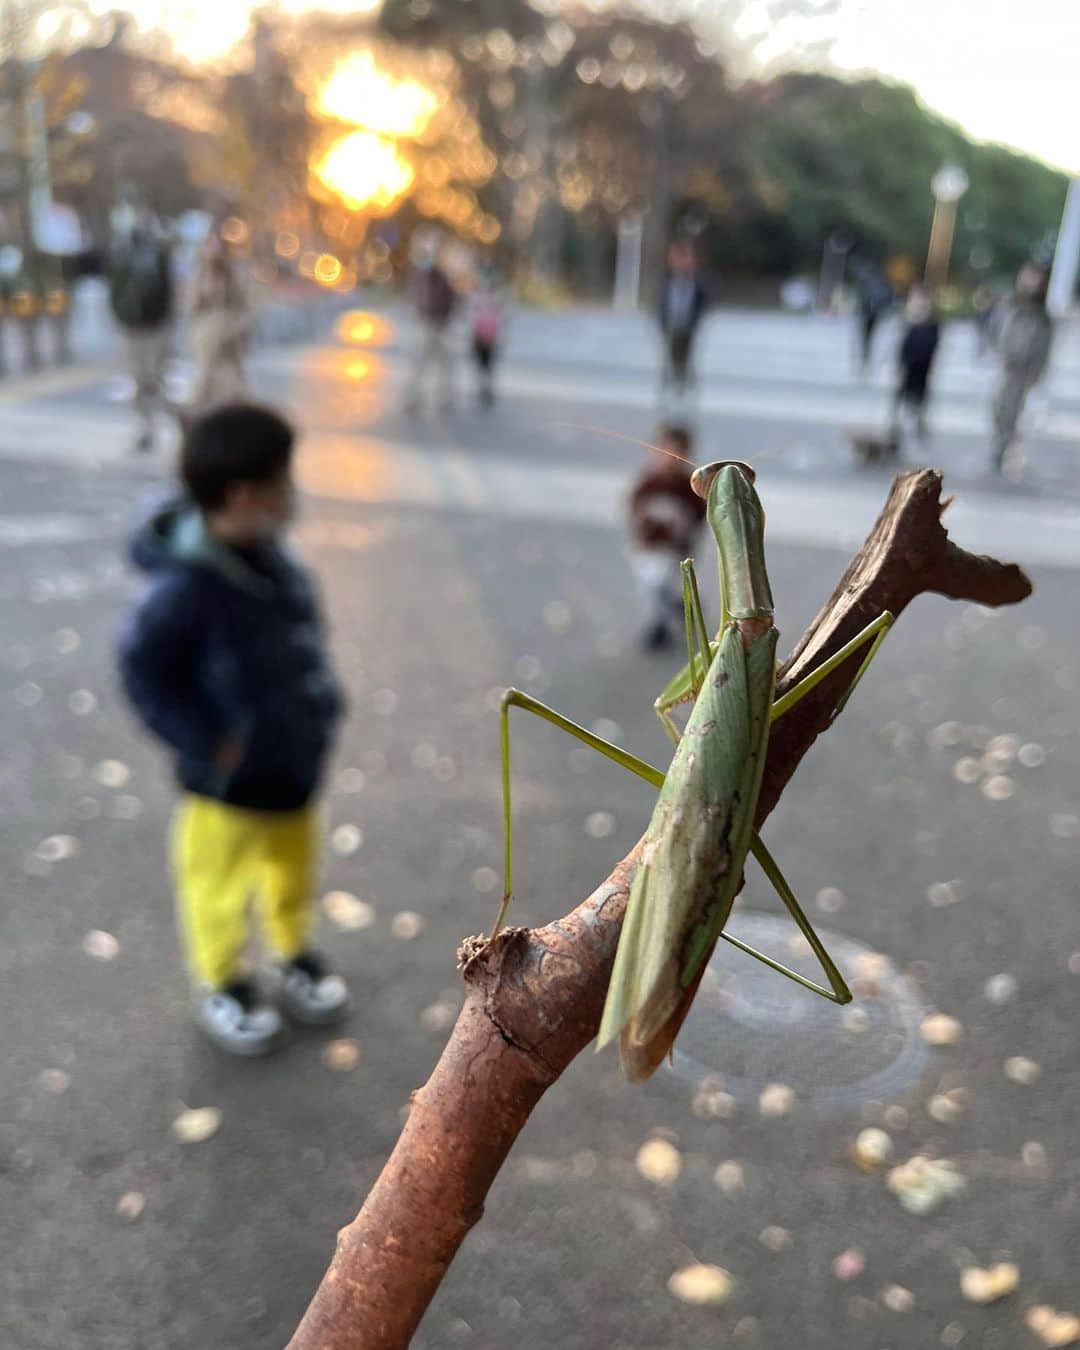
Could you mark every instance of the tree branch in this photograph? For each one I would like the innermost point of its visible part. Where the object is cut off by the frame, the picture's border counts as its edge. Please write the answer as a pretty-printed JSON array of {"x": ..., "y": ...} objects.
[{"x": 534, "y": 997}]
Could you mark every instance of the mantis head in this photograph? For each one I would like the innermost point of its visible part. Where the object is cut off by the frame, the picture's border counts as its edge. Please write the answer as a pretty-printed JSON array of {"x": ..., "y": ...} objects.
[{"x": 701, "y": 480}]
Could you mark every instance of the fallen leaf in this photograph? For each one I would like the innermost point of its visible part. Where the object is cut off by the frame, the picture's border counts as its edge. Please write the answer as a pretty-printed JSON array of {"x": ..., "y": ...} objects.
[
  {"x": 600, "y": 824},
  {"x": 112, "y": 773},
  {"x": 407, "y": 925},
  {"x": 1022, "y": 1070},
  {"x": 342, "y": 1055},
  {"x": 100, "y": 945},
  {"x": 130, "y": 1205},
  {"x": 658, "y": 1162},
  {"x": 986, "y": 1286},
  {"x": 346, "y": 839},
  {"x": 897, "y": 1299},
  {"x": 1053, "y": 1328},
  {"x": 872, "y": 1148},
  {"x": 830, "y": 899},
  {"x": 701, "y": 1284},
  {"x": 439, "y": 1015},
  {"x": 1000, "y": 988},
  {"x": 197, "y": 1124},
  {"x": 729, "y": 1177},
  {"x": 921, "y": 1184},
  {"x": 941, "y": 1029},
  {"x": 347, "y": 912},
  {"x": 709, "y": 1104},
  {"x": 776, "y": 1099},
  {"x": 1033, "y": 1155},
  {"x": 947, "y": 1107},
  {"x": 484, "y": 879},
  {"x": 774, "y": 1238},
  {"x": 849, "y": 1265},
  {"x": 966, "y": 770},
  {"x": 57, "y": 848}
]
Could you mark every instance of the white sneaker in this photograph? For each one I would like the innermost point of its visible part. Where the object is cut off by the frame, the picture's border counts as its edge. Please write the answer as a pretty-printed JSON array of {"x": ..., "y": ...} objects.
[
  {"x": 237, "y": 1022},
  {"x": 310, "y": 993}
]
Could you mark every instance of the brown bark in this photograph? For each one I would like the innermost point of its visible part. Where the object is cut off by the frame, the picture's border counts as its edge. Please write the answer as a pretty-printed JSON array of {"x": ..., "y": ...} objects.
[{"x": 534, "y": 997}]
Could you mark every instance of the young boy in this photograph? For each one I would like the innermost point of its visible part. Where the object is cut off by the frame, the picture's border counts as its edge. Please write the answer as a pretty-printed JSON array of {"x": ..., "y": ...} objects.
[
  {"x": 665, "y": 517},
  {"x": 224, "y": 659}
]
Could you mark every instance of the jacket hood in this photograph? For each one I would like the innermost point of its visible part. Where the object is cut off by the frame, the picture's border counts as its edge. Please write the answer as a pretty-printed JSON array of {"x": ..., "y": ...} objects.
[{"x": 175, "y": 536}]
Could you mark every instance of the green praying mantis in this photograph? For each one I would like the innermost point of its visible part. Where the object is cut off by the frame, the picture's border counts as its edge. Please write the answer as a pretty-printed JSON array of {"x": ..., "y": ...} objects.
[{"x": 702, "y": 826}]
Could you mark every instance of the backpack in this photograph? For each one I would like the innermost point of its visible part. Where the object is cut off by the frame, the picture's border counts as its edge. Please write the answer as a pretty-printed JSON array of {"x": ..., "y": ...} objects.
[
  {"x": 140, "y": 284},
  {"x": 435, "y": 295},
  {"x": 486, "y": 321}
]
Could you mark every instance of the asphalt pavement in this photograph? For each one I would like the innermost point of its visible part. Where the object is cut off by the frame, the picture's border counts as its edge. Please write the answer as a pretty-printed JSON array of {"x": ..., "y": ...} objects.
[{"x": 933, "y": 834}]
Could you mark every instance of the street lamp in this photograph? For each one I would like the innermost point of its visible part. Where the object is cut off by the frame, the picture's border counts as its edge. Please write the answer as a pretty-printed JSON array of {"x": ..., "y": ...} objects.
[{"x": 948, "y": 185}]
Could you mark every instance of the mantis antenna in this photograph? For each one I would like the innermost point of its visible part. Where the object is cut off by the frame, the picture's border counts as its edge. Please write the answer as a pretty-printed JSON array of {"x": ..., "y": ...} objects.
[{"x": 659, "y": 449}]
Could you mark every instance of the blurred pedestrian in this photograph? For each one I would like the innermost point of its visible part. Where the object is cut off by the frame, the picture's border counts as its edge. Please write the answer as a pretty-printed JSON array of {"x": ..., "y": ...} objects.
[
  {"x": 436, "y": 301},
  {"x": 220, "y": 327},
  {"x": 684, "y": 298},
  {"x": 224, "y": 659},
  {"x": 486, "y": 322},
  {"x": 983, "y": 301},
  {"x": 141, "y": 295},
  {"x": 917, "y": 348},
  {"x": 665, "y": 518},
  {"x": 874, "y": 297},
  {"x": 1021, "y": 333}
]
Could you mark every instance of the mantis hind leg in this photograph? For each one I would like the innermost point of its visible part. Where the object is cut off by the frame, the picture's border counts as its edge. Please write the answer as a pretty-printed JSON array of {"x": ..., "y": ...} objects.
[
  {"x": 874, "y": 633},
  {"x": 514, "y": 698},
  {"x": 838, "y": 991},
  {"x": 684, "y": 687}
]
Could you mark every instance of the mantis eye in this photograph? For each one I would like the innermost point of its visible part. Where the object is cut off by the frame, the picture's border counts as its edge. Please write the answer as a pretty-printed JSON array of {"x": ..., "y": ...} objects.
[{"x": 701, "y": 479}]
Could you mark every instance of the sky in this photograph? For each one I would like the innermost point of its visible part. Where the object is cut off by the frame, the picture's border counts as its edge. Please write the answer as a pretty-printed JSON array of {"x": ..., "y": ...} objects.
[{"x": 1005, "y": 70}]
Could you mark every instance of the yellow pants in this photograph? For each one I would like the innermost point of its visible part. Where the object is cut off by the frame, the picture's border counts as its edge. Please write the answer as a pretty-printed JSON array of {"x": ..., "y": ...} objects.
[{"x": 225, "y": 856}]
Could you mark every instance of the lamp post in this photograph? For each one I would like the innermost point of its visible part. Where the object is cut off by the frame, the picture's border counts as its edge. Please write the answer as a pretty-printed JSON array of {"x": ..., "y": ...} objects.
[
  {"x": 1066, "y": 255},
  {"x": 948, "y": 185}
]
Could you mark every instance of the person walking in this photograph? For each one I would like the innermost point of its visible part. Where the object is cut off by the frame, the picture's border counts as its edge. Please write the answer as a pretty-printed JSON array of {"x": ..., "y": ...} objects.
[
  {"x": 874, "y": 300},
  {"x": 224, "y": 659},
  {"x": 436, "y": 301},
  {"x": 1021, "y": 334},
  {"x": 917, "y": 349},
  {"x": 665, "y": 517},
  {"x": 220, "y": 328},
  {"x": 141, "y": 296},
  {"x": 684, "y": 299},
  {"x": 486, "y": 323}
]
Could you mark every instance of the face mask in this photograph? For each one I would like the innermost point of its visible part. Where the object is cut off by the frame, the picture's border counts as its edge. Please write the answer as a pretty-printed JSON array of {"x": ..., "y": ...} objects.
[{"x": 271, "y": 525}]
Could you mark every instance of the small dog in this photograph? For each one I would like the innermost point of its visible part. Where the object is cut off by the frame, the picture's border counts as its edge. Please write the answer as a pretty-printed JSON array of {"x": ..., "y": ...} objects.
[{"x": 874, "y": 448}]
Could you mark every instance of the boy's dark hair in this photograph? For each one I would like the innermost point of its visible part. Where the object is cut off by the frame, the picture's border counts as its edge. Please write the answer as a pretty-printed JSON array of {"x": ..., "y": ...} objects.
[
  {"x": 677, "y": 435},
  {"x": 236, "y": 443}
]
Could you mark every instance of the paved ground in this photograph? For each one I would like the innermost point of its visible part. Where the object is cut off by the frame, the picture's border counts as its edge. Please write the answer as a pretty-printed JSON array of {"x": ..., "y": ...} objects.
[{"x": 458, "y": 555}]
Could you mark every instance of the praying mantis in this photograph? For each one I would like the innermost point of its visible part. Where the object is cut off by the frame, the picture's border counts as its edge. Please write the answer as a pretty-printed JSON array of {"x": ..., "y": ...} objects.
[{"x": 702, "y": 826}]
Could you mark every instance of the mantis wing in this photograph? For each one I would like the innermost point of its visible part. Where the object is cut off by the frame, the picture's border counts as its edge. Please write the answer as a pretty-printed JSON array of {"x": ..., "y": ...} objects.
[{"x": 693, "y": 855}]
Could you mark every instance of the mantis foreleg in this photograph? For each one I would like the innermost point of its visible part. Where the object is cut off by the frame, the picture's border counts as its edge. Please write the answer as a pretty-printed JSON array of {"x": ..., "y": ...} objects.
[
  {"x": 685, "y": 686},
  {"x": 875, "y": 629}
]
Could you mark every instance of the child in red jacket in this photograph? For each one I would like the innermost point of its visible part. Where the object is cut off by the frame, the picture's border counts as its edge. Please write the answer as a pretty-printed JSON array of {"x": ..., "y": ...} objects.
[{"x": 665, "y": 517}]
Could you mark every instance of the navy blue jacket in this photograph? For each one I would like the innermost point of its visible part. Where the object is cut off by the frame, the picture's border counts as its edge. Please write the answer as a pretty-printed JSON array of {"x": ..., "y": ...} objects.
[{"x": 228, "y": 644}]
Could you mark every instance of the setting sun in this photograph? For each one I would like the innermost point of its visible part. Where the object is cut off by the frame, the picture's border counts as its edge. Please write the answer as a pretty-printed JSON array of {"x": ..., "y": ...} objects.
[
  {"x": 359, "y": 93},
  {"x": 364, "y": 171}
]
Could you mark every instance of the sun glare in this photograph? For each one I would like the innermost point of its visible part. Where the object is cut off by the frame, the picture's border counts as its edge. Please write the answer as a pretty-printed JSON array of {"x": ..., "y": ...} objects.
[
  {"x": 364, "y": 171},
  {"x": 358, "y": 93}
]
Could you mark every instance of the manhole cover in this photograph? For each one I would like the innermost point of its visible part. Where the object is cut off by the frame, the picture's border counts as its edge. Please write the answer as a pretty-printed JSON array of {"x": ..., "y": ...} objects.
[{"x": 749, "y": 1026}]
